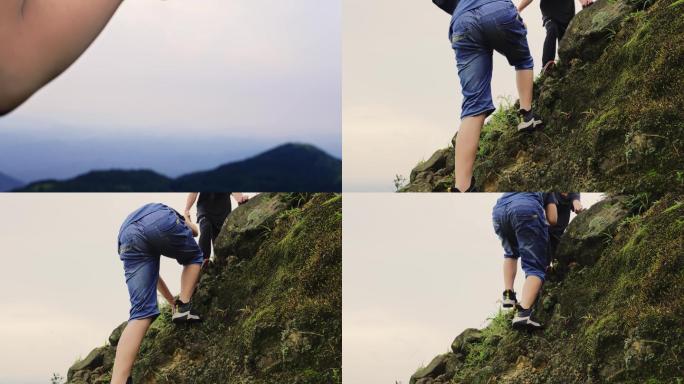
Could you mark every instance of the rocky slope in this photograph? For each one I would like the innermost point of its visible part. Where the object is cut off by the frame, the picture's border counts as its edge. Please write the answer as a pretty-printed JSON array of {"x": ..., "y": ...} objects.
[
  {"x": 614, "y": 109},
  {"x": 613, "y": 307},
  {"x": 271, "y": 304}
]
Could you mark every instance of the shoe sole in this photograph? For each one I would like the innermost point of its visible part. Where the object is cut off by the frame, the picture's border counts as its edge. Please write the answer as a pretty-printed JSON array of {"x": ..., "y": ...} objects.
[
  {"x": 524, "y": 326},
  {"x": 530, "y": 126},
  {"x": 185, "y": 318}
]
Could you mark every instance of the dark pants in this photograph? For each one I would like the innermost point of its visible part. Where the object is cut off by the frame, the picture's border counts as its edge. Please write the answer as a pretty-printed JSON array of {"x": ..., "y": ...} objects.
[
  {"x": 210, "y": 227},
  {"x": 554, "y": 33},
  {"x": 556, "y": 231}
]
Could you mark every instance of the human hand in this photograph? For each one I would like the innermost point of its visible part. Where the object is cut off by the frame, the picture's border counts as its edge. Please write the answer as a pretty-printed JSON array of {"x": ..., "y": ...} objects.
[
  {"x": 172, "y": 303},
  {"x": 243, "y": 199},
  {"x": 577, "y": 206}
]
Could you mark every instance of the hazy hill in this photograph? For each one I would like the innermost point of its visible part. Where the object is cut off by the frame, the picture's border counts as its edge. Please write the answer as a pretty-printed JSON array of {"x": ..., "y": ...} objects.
[
  {"x": 290, "y": 167},
  {"x": 8, "y": 183}
]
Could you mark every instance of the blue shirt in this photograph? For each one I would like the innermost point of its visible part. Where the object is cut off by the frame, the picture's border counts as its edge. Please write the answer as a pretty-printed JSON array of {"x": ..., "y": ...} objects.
[{"x": 466, "y": 5}]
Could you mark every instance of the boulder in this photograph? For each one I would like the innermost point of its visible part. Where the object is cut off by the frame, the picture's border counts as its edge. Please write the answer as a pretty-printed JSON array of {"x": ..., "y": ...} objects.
[
  {"x": 589, "y": 31},
  {"x": 467, "y": 337},
  {"x": 116, "y": 334},
  {"x": 94, "y": 359},
  {"x": 434, "y": 174},
  {"x": 246, "y": 223},
  {"x": 587, "y": 235},
  {"x": 441, "y": 369}
]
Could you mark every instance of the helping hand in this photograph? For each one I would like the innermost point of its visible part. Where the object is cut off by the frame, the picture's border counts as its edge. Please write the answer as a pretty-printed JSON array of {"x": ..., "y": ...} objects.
[{"x": 577, "y": 206}]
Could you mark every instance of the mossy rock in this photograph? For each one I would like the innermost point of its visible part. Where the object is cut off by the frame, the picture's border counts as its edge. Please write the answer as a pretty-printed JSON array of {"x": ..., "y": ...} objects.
[
  {"x": 588, "y": 33},
  {"x": 246, "y": 223},
  {"x": 589, "y": 233}
]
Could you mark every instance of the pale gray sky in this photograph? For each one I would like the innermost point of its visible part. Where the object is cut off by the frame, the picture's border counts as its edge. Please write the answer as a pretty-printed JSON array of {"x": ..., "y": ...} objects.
[
  {"x": 63, "y": 283},
  {"x": 259, "y": 72},
  {"x": 418, "y": 269},
  {"x": 401, "y": 96}
]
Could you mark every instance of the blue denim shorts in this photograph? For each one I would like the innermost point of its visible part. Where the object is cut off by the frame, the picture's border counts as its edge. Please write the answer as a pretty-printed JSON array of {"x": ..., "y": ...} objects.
[
  {"x": 524, "y": 233},
  {"x": 475, "y": 35},
  {"x": 141, "y": 243}
]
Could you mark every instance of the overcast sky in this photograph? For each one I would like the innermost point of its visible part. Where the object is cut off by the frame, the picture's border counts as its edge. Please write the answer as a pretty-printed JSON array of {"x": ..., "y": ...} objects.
[
  {"x": 401, "y": 94},
  {"x": 63, "y": 283},
  {"x": 250, "y": 73},
  {"x": 418, "y": 269}
]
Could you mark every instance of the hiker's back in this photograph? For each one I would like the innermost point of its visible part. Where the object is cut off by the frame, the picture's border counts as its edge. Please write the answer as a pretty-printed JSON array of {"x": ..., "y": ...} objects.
[{"x": 463, "y": 6}]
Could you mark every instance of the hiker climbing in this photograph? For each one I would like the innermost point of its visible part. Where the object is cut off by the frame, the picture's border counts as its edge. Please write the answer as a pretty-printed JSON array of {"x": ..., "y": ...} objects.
[
  {"x": 478, "y": 28},
  {"x": 567, "y": 202},
  {"x": 556, "y": 16},
  {"x": 521, "y": 221},
  {"x": 40, "y": 39},
  {"x": 146, "y": 234},
  {"x": 212, "y": 211}
]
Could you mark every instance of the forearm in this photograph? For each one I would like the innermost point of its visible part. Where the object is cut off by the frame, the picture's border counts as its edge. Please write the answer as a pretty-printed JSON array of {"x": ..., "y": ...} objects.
[
  {"x": 39, "y": 39},
  {"x": 164, "y": 290},
  {"x": 552, "y": 214},
  {"x": 190, "y": 201},
  {"x": 523, "y": 4}
]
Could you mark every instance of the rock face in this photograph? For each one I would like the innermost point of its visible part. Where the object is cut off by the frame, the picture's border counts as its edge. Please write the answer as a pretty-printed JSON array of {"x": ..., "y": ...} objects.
[
  {"x": 613, "y": 109},
  {"x": 271, "y": 303},
  {"x": 582, "y": 241},
  {"x": 614, "y": 316}
]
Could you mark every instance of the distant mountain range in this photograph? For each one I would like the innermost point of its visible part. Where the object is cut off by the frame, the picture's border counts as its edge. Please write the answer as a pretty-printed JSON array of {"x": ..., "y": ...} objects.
[
  {"x": 8, "y": 183},
  {"x": 287, "y": 168}
]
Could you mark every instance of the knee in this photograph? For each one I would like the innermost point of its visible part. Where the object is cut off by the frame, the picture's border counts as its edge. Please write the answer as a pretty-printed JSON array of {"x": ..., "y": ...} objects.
[{"x": 552, "y": 28}]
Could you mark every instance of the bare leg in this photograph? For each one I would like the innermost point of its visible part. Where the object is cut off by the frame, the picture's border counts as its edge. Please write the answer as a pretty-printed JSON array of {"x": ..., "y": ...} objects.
[
  {"x": 189, "y": 279},
  {"x": 524, "y": 79},
  {"x": 467, "y": 141},
  {"x": 530, "y": 291},
  {"x": 127, "y": 349},
  {"x": 510, "y": 268}
]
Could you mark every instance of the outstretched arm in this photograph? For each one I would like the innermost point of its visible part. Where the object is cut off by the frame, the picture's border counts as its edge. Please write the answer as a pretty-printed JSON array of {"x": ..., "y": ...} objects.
[
  {"x": 40, "y": 39},
  {"x": 189, "y": 202}
]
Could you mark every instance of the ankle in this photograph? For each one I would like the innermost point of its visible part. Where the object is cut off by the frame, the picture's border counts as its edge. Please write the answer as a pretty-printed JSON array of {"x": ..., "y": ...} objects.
[{"x": 525, "y": 112}]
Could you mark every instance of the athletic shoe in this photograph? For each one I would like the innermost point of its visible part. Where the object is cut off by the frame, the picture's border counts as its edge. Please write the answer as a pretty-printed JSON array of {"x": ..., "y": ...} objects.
[
  {"x": 183, "y": 313},
  {"x": 529, "y": 121},
  {"x": 509, "y": 300},
  {"x": 471, "y": 188},
  {"x": 523, "y": 320}
]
